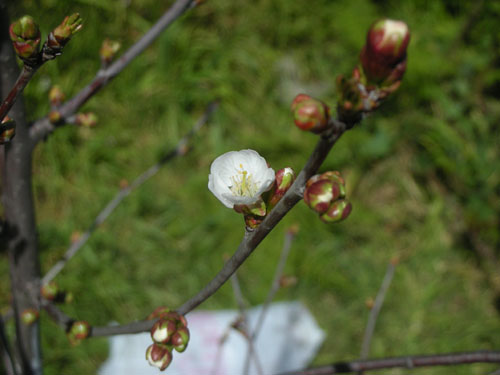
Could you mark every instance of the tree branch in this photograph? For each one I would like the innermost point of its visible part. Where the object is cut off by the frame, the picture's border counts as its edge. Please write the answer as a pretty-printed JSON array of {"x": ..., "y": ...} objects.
[
  {"x": 408, "y": 362},
  {"x": 379, "y": 301},
  {"x": 179, "y": 150},
  {"x": 251, "y": 239},
  {"x": 25, "y": 76},
  {"x": 43, "y": 127}
]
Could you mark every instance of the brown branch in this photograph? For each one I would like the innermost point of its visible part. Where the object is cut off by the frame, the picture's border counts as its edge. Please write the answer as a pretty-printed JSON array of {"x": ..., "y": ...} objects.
[
  {"x": 24, "y": 77},
  {"x": 179, "y": 150},
  {"x": 43, "y": 127},
  {"x": 275, "y": 286},
  {"x": 379, "y": 301},
  {"x": 408, "y": 362},
  {"x": 251, "y": 239}
]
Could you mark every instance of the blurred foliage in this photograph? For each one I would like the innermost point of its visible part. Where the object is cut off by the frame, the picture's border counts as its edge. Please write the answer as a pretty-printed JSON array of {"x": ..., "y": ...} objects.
[{"x": 423, "y": 172}]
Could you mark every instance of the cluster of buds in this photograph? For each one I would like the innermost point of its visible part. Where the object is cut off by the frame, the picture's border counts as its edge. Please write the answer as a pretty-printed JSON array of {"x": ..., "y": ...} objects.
[
  {"x": 25, "y": 36},
  {"x": 7, "y": 130},
  {"x": 255, "y": 213},
  {"x": 325, "y": 193},
  {"x": 310, "y": 114},
  {"x": 52, "y": 292},
  {"x": 169, "y": 333},
  {"x": 78, "y": 331},
  {"x": 383, "y": 64},
  {"x": 108, "y": 50},
  {"x": 61, "y": 35},
  {"x": 29, "y": 316}
]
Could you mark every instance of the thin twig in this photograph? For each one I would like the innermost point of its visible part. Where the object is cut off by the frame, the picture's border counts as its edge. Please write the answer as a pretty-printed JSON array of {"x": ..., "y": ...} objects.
[
  {"x": 43, "y": 127},
  {"x": 24, "y": 77},
  {"x": 407, "y": 362},
  {"x": 379, "y": 301},
  {"x": 57, "y": 315},
  {"x": 275, "y": 286},
  {"x": 242, "y": 308},
  {"x": 7, "y": 358},
  {"x": 179, "y": 150},
  {"x": 251, "y": 239}
]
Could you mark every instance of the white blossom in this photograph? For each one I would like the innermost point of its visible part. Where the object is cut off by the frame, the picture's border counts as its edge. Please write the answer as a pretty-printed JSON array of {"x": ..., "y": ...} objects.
[{"x": 239, "y": 177}]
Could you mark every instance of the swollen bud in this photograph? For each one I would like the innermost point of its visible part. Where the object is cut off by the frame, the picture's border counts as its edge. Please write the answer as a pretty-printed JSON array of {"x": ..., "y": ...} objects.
[
  {"x": 49, "y": 291},
  {"x": 320, "y": 194},
  {"x": 162, "y": 331},
  {"x": 310, "y": 114},
  {"x": 158, "y": 313},
  {"x": 56, "y": 96},
  {"x": 384, "y": 55},
  {"x": 284, "y": 178},
  {"x": 159, "y": 356},
  {"x": 29, "y": 316},
  {"x": 25, "y": 36},
  {"x": 338, "y": 211},
  {"x": 180, "y": 339},
  {"x": 108, "y": 50},
  {"x": 78, "y": 331}
]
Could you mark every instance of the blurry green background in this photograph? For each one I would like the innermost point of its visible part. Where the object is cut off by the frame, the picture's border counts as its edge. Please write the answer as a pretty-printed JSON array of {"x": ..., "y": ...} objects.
[{"x": 422, "y": 172}]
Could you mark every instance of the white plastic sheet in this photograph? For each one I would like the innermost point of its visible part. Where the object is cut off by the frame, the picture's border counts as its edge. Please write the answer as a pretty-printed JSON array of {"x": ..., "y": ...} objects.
[{"x": 288, "y": 340}]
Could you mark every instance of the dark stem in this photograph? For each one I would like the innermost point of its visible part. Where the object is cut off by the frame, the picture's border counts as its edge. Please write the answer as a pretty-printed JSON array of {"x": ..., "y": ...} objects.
[
  {"x": 275, "y": 286},
  {"x": 179, "y": 150},
  {"x": 43, "y": 127},
  {"x": 19, "y": 212},
  {"x": 408, "y": 362}
]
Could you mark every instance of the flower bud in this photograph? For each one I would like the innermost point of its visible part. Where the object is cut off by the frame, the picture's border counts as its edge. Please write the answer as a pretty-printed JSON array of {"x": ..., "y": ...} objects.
[
  {"x": 180, "y": 339},
  {"x": 338, "y": 211},
  {"x": 87, "y": 120},
  {"x": 62, "y": 34},
  {"x": 298, "y": 99},
  {"x": 284, "y": 178},
  {"x": 310, "y": 114},
  {"x": 158, "y": 356},
  {"x": 25, "y": 36},
  {"x": 49, "y": 291},
  {"x": 252, "y": 221},
  {"x": 29, "y": 316},
  {"x": 56, "y": 96},
  {"x": 162, "y": 331},
  {"x": 320, "y": 194},
  {"x": 177, "y": 318},
  {"x": 78, "y": 331},
  {"x": 158, "y": 313},
  {"x": 7, "y": 130},
  {"x": 385, "y": 48},
  {"x": 108, "y": 50},
  {"x": 55, "y": 117}
]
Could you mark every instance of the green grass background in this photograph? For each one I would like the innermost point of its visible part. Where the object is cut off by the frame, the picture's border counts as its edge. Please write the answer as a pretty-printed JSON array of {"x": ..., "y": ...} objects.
[{"x": 423, "y": 172}]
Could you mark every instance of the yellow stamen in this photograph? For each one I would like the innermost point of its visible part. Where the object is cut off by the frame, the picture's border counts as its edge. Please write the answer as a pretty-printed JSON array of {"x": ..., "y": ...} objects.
[{"x": 243, "y": 184}]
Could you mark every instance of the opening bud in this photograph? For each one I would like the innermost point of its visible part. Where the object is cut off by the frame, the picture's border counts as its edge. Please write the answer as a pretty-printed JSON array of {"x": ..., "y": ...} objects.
[
  {"x": 159, "y": 356},
  {"x": 25, "y": 36},
  {"x": 7, "y": 130},
  {"x": 87, "y": 120},
  {"x": 163, "y": 330},
  {"x": 29, "y": 316},
  {"x": 338, "y": 211},
  {"x": 284, "y": 178},
  {"x": 108, "y": 50},
  {"x": 78, "y": 331},
  {"x": 385, "y": 48},
  {"x": 310, "y": 114},
  {"x": 180, "y": 339},
  {"x": 62, "y": 34}
]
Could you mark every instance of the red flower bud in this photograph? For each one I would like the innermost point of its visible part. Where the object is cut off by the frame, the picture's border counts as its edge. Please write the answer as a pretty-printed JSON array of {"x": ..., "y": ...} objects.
[
  {"x": 162, "y": 331},
  {"x": 386, "y": 44},
  {"x": 78, "y": 331},
  {"x": 180, "y": 339},
  {"x": 284, "y": 178},
  {"x": 49, "y": 291},
  {"x": 338, "y": 211},
  {"x": 159, "y": 356},
  {"x": 29, "y": 316},
  {"x": 310, "y": 114},
  {"x": 320, "y": 194}
]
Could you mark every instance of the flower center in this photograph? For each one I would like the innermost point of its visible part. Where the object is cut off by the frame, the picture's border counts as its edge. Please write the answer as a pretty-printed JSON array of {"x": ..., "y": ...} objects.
[{"x": 243, "y": 184}]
